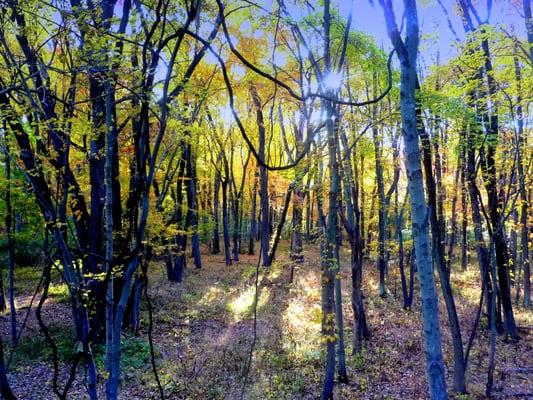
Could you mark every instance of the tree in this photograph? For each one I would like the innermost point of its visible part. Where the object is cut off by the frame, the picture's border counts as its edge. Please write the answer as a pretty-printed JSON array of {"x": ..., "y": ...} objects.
[{"x": 407, "y": 51}]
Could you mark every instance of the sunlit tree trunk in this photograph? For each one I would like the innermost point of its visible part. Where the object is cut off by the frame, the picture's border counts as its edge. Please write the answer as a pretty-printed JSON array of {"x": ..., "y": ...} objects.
[
  {"x": 353, "y": 227},
  {"x": 215, "y": 235},
  {"x": 253, "y": 222},
  {"x": 9, "y": 219},
  {"x": 529, "y": 26},
  {"x": 438, "y": 249},
  {"x": 464, "y": 211},
  {"x": 192, "y": 202},
  {"x": 263, "y": 179},
  {"x": 382, "y": 210},
  {"x": 524, "y": 227},
  {"x": 225, "y": 221},
  {"x": 407, "y": 50}
]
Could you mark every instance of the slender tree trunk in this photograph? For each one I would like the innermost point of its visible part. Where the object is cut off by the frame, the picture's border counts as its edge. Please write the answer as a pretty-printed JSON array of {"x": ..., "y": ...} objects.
[
  {"x": 452, "y": 239},
  {"x": 481, "y": 249},
  {"x": 529, "y": 26},
  {"x": 279, "y": 227},
  {"x": 263, "y": 179},
  {"x": 401, "y": 258},
  {"x": 308, "y": 210},
  {"x": 330, "y": 254},
  {"x": 327, "y": 293},
  {"x": 437, "y": 235},
  {"x": 464, "y": 212},
  {"x": 234, "y": 200},
  {"x": 407, "y": 50},
  {"x": 3, "y": 299},
  {"x": 524, "y": 239},
  {"x": 216, "y": 236},
  {"x": 11, "y": 250},
  {"x": 192, "y": 202},
  {"x": 495, "y": 204},
  {"x": 253, "y": 227},
  {"x": 297, "y": 219},
  {"x": 382, "y": 211},
  {"x": 109, "y": 244},
  {"x": 225, "y": 221},
  {"x": 352, "y": 225},
  {"x": 489, "y": 120},
  {"x": 180, "y": 240}
]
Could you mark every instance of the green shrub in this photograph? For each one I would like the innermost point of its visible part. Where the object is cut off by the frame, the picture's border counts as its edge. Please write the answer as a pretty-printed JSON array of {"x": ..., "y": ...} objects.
[
  {"x": 36, "y": 347},
  {"x": 27, "y": 249},
  {"x": 135, "y": 354}
]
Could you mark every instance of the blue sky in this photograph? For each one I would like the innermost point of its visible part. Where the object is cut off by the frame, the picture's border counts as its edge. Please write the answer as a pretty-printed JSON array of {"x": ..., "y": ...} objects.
[{"x": 437, "y": 36}]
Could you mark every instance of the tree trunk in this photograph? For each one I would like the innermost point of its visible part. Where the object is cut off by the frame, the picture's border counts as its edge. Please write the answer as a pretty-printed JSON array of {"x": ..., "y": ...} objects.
[
  {"x": 216, "y": 236},
  {"x": 253, "y": 227},
  {"x": 529, "y": 26},
  {"x": 495, "y": 203},
  {"x": 524, "y": 240},
  {"x": 297, "y": 219},
  {"x": 279, "y": 227},
  {"x": 353, "y": 227},
  {"x": 407, "y": 50},
  {"x": 10, "y": 250},
  {"x": 225, "y": 221},
  {"x": 464, "y": 212},
  {"x": 437, "y": 235},
  {"x": 192, "y": 202},
  {"x": 382, "y": 211},
  {"x": 263, "y": 179}
]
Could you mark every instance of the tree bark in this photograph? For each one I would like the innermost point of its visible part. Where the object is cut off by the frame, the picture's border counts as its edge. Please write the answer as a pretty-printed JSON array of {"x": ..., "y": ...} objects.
[
  {"x": 263, "y": 179},
  {"x": 253, "y": 227},
  {"x": 407, "y": 50}
]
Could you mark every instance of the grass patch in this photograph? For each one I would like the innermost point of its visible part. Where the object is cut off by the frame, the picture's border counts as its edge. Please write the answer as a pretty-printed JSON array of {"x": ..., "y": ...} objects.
[
  {"x": 59, "y": 292},
  {"x": 36, "y": 347},
  {"x": 135, "y": 354}
]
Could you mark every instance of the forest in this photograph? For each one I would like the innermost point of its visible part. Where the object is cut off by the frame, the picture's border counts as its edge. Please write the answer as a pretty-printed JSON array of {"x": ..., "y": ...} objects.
[{"x": 266, "y": 199}]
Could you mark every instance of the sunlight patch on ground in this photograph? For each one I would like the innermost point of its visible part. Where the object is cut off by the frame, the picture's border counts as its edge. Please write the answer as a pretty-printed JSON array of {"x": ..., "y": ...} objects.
[
  {"x": 275, "y": 271},
  {"x": 59, "y": 292},
  {"x": 242, "y": 305},
  {"x": 213, "y": 295},
  {"x": 302, "y": 319}
]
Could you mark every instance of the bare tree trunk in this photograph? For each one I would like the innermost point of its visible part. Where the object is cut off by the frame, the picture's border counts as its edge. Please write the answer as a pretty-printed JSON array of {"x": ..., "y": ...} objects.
[
  {"x": 437, "y": 236},
  {"x": 225, "y": 221},
  {"x": 407, "y": 50},
  {"x": 192, "y": 202},
  {"x": 529, "y": 26},
  {"x": 464, "y": 213},
  {"x": 382, "y": 210},
  {"x": 353, "y": 227},
  {"x": 263, "y": 179},
  {"x": 279, "y": 227},
  {"x": 253, "y": 226},
  {"x": 216, "y": 223},
  {"x": 524, "y": 234},
  {"x": 10, "y": 250}
]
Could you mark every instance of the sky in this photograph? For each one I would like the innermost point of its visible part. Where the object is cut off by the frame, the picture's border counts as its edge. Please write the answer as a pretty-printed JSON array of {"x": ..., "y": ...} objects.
[{"x": 437, "y": 37}]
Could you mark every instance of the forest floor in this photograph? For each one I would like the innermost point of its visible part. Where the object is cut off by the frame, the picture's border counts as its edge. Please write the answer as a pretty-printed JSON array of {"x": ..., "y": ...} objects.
[{"x": 203, "y": 330}]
